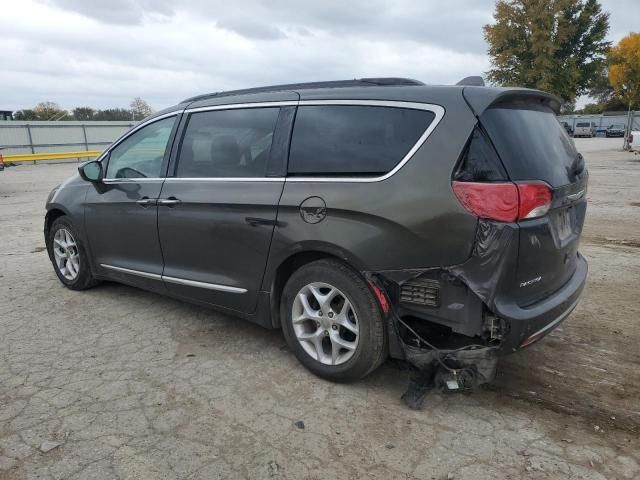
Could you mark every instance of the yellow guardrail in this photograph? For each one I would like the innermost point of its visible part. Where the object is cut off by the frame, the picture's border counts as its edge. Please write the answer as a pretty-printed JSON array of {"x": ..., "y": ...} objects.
[{"x": 31, "y": 157}]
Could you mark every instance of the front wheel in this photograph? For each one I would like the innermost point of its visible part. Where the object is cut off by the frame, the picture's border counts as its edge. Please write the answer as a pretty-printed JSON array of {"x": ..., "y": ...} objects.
[
  {"x": 68, "y": 256},
  {"x": 332, "y": 322}
]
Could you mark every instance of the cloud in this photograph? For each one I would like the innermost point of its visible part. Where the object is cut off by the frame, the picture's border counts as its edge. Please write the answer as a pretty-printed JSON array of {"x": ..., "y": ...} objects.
[{"x": 102, "y": 54}]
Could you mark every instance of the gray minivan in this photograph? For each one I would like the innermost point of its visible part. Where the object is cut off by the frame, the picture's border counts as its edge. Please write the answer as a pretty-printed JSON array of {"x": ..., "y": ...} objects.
[{"x": 365, "y": 218}]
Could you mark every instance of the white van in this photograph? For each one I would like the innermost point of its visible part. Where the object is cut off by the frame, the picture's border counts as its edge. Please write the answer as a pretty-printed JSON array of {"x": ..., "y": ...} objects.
[{"x": 583, "y": 129}]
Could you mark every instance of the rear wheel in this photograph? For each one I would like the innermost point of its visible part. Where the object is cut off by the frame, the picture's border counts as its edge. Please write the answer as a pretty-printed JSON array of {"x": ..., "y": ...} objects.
[
  {"x": 332, "y": 322},
  {"x": 68, "y": 256}
]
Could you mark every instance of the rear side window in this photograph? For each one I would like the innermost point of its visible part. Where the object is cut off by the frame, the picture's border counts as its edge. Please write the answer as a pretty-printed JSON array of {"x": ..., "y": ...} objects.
[
  {"x": 353, "y": 140},
  {"x": 227, "y": 143},
  {"x": 532, "y": 144}
]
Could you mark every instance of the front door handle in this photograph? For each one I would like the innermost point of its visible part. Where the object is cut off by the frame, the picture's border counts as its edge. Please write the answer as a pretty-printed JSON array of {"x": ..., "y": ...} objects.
[
  {"x": 168, "y": 202},
  {"x": 145, "y": 202}
]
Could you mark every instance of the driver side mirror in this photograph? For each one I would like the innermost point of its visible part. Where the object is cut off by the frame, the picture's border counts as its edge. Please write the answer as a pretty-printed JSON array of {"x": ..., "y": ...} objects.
[{"x": 91, "y": 171}]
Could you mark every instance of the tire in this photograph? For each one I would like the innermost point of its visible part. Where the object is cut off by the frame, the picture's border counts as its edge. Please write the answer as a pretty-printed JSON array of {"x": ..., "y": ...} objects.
[
  {"x": 370, "y": 341},
  {"x": 83, "y": 278}
]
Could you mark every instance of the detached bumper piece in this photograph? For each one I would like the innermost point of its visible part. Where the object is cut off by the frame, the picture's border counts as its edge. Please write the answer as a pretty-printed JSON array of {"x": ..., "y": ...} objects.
[{"x": 448, "y": 370}]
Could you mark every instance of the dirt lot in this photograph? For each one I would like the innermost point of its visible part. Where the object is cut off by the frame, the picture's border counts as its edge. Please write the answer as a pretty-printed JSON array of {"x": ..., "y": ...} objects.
[{"x": 118, "y": 383}]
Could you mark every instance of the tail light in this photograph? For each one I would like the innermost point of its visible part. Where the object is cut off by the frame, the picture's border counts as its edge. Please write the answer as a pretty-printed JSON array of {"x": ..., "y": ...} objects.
[
  {"x": 630, "y": 139},
  {"x": 504, "y": 201}
]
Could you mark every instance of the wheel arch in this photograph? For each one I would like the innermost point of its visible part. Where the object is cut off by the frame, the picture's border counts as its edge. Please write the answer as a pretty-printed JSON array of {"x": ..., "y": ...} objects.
[
  {"x": 51, "y": 216},
  {"x": 278, "y": 275}
]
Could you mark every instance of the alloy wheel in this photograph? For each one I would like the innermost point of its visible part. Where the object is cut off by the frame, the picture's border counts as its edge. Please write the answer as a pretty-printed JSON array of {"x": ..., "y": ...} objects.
[
  {"x": 65, "y": 252},
  {"x": 325, "y": 323}
]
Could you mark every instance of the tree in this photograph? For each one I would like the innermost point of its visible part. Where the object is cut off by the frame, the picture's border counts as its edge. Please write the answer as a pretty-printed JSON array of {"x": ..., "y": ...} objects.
[
  {"x": 49, "y": 111},
  {"x": 140, "y": 109},
  {"x": 83, "y": 113},
  {"x": 591, "y": 109},
  {"x": 113, "y": 114},
  {"x": 624, "y": 69},
  {"x": 25, "y": 114},
  {"x": 554, "y": 45}
]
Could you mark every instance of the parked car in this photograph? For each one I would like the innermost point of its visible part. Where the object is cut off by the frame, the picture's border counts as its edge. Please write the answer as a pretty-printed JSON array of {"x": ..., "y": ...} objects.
[
  {"x": 567, "y": 127},
  {"x": 616, "y": 130},
  {"x": 364, "y": 218},
  {"x": 584, "y": 129}
]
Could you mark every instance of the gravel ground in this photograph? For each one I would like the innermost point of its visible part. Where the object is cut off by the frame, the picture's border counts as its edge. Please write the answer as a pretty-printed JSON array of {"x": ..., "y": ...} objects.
[{"x": 119, "y": 383}]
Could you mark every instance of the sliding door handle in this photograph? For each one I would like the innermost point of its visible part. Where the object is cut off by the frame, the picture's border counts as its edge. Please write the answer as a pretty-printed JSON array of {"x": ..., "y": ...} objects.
[
  {"x": 168, "y": 202},
  {"x": 145, "y": 202},
  {"x": 255, "y": 222}
]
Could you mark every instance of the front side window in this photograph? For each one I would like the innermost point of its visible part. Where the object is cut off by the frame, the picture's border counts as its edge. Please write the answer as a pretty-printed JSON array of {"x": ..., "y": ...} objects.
[
  {"x": 140, "y": 155},
  {"x": 353, "y": 140},
  {"x": 227, "y": 143}
]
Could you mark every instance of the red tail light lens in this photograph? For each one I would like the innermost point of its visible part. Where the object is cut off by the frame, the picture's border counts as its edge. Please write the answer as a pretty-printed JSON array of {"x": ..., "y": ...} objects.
[
  {"x": 495, "y": 201},
  {"x": 535, "y": 200},
  {"x": 505, "y": 201}
]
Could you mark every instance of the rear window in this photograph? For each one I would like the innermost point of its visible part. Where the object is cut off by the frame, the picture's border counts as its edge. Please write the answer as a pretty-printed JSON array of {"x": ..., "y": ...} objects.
[
  {"x": 532, "y": 144},
  {"x": 353, "y": 140},
  {"x": 583, "y": 125}
]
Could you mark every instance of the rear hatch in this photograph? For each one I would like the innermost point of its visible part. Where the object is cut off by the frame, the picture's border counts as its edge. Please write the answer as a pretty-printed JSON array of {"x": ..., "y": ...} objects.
[{"x": 535, "y": 150}]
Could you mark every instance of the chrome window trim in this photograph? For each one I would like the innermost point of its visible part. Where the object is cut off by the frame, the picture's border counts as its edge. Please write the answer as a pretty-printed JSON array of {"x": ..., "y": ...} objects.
[
  {"x": 235, "y": 106},
  {"x": 224, "y": 179},
  {"x": 437, "y": 110},
  {"x": 179, "y": 281},
  {"x": 133, "y": 180}
]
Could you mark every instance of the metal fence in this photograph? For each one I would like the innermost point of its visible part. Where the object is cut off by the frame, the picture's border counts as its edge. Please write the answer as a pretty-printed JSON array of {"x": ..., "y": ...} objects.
[
  {"x": 604, "y": 121},
  {"x": 18, "y": 137}
]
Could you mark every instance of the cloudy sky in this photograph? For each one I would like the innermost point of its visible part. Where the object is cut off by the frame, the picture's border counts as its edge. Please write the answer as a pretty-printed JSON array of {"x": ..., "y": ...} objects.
[{"x": 102, "y": 53}]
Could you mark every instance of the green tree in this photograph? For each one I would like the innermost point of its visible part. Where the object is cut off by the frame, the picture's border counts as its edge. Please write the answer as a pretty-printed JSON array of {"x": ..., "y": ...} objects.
[
  {"x": 83, "y": 113},
  {"x": 557, "y": 46},
  {"x": 591, "y": 109},
  {"x": 25, "y": 114},
  {"x": 113, "y": 114}
]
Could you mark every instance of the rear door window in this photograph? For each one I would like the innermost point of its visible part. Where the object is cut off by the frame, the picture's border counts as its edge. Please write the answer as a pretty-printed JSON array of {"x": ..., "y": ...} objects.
[
  {"x": 227, "y": 143},
  {"x": 532, "y": 144},
  {"x": 353, "y": 140}
]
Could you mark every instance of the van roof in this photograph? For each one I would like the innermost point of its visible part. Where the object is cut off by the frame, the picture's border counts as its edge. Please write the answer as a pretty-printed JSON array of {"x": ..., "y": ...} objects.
[{"x": 356, "y": 82}]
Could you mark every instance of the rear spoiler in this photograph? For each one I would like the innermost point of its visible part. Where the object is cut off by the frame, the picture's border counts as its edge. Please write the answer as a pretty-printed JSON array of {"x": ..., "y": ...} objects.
[{"x": 479, "y": 98}]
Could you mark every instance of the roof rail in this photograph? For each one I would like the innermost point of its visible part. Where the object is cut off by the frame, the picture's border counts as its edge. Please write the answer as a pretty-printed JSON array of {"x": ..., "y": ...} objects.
[{"x": 357, "y": 82}]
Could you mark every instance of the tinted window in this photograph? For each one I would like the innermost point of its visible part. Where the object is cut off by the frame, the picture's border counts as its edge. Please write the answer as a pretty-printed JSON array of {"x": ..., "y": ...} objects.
[
  {"x": 227, "y": 143},
  {"x": 141, "y": 154},
  {"x": 532, "y": 144},
  {"x": 582, "y": 125},
  {"x": 480, "y": 162},
  {"x": 348, "y": 140}
]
